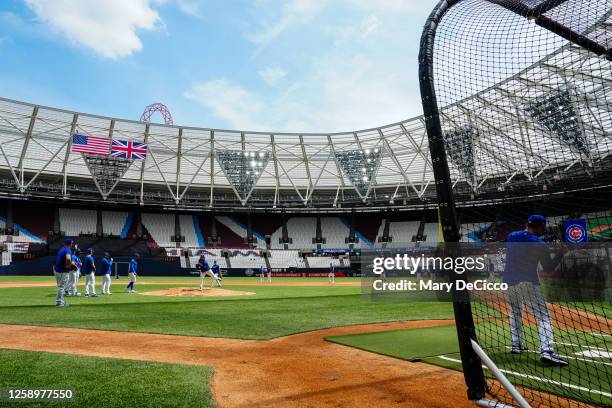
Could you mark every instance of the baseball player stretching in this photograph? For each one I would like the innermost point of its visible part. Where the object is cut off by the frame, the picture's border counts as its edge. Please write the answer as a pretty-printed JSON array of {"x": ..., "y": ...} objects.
[
  {"x": 107, "y": 263},
  {"x": 90, "y": 274},
  {"x": 525, "y": 251},
  {"x": 217, "y": 274},
  {"x": 61, "y": 268},
  {"x": 331, "y": 276},
  {"x": 132, "y": 272}
]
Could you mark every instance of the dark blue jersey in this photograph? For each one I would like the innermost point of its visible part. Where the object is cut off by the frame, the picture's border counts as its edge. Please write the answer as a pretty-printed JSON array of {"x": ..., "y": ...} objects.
[
  {"x": 60, "y": 259},
  {"x": 133, "y": 266},
  {"x": 203, "y": 265},
  {"x": 106, "y": 266},
  {"x": 525, "y": 251},
  {"x": 77, "y": 261},
  {"x": 215, "y": 268},
  {"x": 90, "y": 264}
]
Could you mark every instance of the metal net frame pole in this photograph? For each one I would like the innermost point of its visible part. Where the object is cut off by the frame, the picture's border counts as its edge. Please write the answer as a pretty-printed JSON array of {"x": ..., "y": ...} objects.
[{"x": 466, "y": 332}]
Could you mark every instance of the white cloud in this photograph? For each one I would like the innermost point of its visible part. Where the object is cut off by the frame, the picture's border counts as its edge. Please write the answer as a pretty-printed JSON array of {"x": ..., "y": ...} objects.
[
  {"x": 353, "y": 65},
  {"x": 108, "y": 27},
  {"x": 292, "y": 13},
  {"x": 230, "y": 102},
  {"x": 390, "y": 6},
  {"x": 369, "y": 24},
  {"x": 345, "y": 98},
  {"x": 189, "y": 7},
  {"x": 272, "y": 75}
]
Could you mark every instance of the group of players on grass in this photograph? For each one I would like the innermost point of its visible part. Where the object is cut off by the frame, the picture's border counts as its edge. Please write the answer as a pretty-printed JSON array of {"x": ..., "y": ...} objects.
[
  {"x": 69, "y": 266},
  {"x": 520, "y": 273}
]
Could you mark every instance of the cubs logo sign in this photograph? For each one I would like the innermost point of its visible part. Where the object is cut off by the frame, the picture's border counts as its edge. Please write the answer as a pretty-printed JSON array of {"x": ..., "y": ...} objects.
[{"x": 575, "y": 231}]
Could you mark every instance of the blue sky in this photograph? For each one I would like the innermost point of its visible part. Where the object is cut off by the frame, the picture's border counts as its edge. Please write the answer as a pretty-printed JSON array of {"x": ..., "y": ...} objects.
[{"x": 294, "y": 65}]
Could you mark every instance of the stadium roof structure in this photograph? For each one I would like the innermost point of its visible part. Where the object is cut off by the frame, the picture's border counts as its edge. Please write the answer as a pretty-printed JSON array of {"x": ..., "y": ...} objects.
[{"x": 383, "y": 166}]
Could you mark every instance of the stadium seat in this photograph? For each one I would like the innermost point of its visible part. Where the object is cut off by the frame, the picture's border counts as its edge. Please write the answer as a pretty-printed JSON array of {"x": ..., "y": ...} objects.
[
  {"x": 402, "y": 233},
  {"x": 113, "y": 222},
  {"x": 161, "y": 228},
  {"x": 74, "y": 222},
  {"x": 302, "y": 230},
  {"x": 335, "y": 232}
]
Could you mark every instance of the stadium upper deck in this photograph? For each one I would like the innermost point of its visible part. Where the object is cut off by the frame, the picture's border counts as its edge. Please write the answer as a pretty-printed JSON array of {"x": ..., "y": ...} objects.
[{"x": 385, "y": 166}]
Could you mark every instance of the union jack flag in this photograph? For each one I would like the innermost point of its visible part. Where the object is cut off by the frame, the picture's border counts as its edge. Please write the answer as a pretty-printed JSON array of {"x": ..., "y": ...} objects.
[{"x": 125, "y": 149}]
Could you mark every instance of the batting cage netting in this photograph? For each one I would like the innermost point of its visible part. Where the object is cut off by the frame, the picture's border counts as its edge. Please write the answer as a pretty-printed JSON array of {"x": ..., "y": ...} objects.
[{"x": 517, "y": 96}]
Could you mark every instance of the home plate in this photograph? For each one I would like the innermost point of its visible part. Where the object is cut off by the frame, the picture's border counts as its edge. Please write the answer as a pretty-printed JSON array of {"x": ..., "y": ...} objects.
[{"x": 595, "y": 354}]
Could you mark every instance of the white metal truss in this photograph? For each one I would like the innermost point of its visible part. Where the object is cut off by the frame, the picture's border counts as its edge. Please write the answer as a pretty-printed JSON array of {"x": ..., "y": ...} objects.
[{"x": 183, "y": 161}]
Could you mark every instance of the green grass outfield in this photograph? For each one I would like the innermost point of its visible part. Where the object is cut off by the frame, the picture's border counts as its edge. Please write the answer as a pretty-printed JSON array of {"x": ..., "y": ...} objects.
[
  {"x": 586, "y": 378},
  {"x": 105, "y": 382},
  {"x": 274, "y": 311}
]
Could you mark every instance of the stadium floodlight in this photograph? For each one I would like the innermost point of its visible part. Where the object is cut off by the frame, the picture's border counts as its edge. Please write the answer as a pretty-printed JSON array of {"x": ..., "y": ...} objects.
[
  {"x": 515, "y": 93},
  {"x": 459, "y": 145},
  {"x": 354, "y": 164},
  {"x": 106, "y": 172},
  {"x": 557, "y": 113},
  {"x": 241, "y": 172}
]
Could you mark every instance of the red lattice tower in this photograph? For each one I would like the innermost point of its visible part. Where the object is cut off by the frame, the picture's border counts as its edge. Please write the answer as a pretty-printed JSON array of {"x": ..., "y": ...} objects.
[{"x": 157, "y": 107}]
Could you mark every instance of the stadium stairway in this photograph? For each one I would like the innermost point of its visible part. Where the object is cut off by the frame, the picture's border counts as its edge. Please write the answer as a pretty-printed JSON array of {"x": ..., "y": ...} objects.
[{"x": 233, "y": 225}]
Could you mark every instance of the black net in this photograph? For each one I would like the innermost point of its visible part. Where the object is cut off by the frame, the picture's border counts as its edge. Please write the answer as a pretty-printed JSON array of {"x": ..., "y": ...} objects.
[{"x": 523, "y": 101}]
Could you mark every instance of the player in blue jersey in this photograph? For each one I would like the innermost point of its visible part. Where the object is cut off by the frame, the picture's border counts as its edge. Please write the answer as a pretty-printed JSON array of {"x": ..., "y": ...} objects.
[
  {"x": 525, "y": 253},
  {"x": 217, "y": 273},
  {"x": 89, "y": 270},
  {"x": 331, "y": 276},
  {"x": 106, "y": 266},
  {"x": 262, "y": 273},
  {"x": 61, "y": 270},
  {"x": 75, "y": 272},
  {"x": 205, "y": 270},
  {"x": 133, "y": 272}
]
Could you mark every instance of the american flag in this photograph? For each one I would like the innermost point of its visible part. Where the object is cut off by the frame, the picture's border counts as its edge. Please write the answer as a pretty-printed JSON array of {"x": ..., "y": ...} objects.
[
  {"x": 90, "y": 144},
  {"x": 129, "y": 150}
]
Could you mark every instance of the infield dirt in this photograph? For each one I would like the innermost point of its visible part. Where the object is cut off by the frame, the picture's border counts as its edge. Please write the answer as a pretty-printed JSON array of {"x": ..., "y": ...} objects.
[{"x": 301, "y": 370}]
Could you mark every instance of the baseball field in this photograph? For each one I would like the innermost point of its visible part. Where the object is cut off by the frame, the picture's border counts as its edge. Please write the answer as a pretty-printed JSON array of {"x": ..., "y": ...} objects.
[
  {"x": 292, "y": 342},
  {"x": 247, "y": 344}
]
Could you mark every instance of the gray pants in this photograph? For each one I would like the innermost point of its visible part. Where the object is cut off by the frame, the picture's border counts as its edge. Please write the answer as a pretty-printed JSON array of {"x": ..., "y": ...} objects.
[
  {"x": 62, "y": 279},
  {"x": 73, "y": 282},
  {"x": 531, "y": 296}
]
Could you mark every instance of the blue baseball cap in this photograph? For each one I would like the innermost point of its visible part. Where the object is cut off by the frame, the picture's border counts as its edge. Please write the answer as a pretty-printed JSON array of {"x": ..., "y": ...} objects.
[
  {"x": 90, "y": 250},
  {"x": 536, "y": 219},
  {"x": 106, "y": 254},
  {"x": 68, "y": 241},
  {"x": 136, "y": 255}
]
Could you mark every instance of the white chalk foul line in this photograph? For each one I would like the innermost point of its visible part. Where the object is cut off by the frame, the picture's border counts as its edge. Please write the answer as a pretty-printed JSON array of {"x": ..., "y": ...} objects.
[
  {"x": 574, "y": 358},
  {"x": 579, "y": 345},
  {"x": 545, "y": 380}
]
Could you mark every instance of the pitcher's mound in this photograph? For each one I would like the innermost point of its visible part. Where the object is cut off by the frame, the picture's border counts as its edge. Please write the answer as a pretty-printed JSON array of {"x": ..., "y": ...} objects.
[{"x": 208, "y": 292}]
